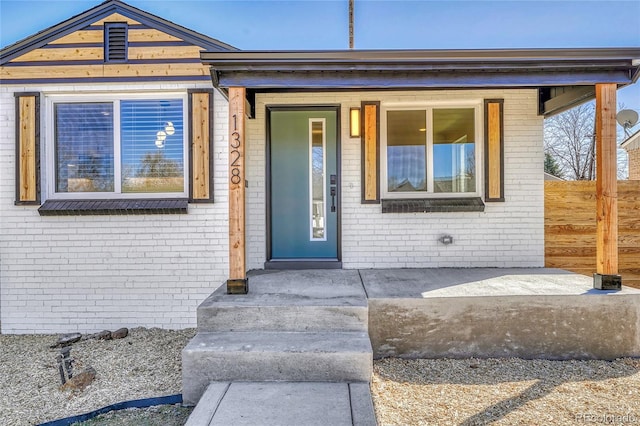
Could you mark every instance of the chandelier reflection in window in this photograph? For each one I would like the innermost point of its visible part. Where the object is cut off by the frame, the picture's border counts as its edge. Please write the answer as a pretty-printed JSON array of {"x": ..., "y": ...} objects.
[{"x": 161, "y": 136}]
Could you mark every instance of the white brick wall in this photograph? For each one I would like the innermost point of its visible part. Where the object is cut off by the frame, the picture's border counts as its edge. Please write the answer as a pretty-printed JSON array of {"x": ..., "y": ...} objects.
[
  {"x": 508, "y": 234},
  {"x": 89, "y": 273}
]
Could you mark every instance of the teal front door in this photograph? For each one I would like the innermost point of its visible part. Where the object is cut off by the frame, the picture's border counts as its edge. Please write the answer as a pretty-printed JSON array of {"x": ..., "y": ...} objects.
[{"x": 304, "y": 184}]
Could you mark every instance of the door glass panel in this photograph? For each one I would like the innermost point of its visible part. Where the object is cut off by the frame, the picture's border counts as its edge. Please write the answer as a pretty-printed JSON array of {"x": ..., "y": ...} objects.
[
  {"x": 454, "y": 165},
  {"x": 317, "y": 181}
]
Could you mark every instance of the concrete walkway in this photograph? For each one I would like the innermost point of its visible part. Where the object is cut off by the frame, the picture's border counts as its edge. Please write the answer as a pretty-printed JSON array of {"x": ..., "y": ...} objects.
[{"x": 284, "y": 404}]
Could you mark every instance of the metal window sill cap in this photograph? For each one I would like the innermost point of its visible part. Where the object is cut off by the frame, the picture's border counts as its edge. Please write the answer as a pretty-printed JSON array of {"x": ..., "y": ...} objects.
[
  {"x": 113, "y": 207},
  {"x": 433, "y": 205}
]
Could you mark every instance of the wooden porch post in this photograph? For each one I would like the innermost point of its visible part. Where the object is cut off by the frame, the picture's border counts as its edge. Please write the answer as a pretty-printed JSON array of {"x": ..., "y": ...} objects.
[
  {"x": 237, "y": 282},
  {"x": 606, "y": 276}
]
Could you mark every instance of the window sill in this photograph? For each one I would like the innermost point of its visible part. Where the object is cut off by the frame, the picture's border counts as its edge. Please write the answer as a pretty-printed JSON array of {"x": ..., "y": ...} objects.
[
  {"x": 112, "y": 207},
  {"x": 432, "y": 205}
]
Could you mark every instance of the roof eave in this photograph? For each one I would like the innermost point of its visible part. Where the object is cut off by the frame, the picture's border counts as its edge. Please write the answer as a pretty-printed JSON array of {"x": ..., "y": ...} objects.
[
  {"x": 335, "y": 70},
  {"x": 534, "y": 67},
  {"x": 420, "y": 56}
]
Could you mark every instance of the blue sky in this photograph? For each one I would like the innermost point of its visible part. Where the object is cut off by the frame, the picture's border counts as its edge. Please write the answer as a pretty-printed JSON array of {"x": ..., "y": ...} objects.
[{"x": 379, "y": 24}]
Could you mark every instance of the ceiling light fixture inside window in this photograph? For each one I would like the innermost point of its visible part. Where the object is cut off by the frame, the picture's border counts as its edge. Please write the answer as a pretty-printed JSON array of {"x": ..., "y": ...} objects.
[{"x": 161, "y": 136}]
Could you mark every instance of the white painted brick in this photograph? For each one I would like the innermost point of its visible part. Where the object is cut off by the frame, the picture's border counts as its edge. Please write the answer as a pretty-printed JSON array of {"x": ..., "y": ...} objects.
[
  {"x": 506, "y": 234},
  {"x": 95, "y": 272},
  {"x": 87, "y": 273}
]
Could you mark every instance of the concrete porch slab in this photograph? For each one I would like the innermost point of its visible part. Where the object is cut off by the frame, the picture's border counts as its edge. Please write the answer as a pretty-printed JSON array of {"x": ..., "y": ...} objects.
[
  {"x": 478, "y": 282},
  {"x": 487, "y": 312},
  {"x": 284, "y": 404},
  {"x": 309, "y": 287}
]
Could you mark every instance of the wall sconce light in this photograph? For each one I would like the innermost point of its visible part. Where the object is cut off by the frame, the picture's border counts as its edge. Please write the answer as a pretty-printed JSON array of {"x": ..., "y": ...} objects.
[{"x": 354, "y": 122}]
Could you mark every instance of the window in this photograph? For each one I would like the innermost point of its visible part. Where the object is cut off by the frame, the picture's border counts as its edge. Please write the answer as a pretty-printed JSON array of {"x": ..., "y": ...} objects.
[
  {"x": 317, "y": 173},
  {"x": 431, "y": 152},
  {"x": 84, "y": 147},
  {"x": 118, "y": 148}
]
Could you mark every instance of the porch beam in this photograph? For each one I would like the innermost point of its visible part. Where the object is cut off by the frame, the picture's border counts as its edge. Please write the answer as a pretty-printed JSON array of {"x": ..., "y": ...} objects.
[
  {"x": 406, "y": 79},
  {"x": 567, "y": 98},
  {"x": 606, "y": 276},
  {"x": 237, "y": 282}
]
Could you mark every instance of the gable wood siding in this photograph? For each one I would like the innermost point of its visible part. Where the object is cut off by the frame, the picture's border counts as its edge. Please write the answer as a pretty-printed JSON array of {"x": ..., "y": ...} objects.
[{"x": 79, "y": 56}]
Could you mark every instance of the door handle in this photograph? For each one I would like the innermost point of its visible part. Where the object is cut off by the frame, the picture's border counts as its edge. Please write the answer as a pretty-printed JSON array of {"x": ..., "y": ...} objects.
[{"x": 333, "y": 198}]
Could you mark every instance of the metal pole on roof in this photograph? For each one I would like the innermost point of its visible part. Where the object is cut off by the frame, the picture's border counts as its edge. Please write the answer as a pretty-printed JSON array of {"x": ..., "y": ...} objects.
[{"x": 351, "y": 7}]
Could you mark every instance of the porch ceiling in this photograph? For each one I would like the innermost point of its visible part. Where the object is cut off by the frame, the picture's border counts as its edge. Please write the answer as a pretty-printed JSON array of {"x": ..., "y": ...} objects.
[{"x": 543, "y": 69}]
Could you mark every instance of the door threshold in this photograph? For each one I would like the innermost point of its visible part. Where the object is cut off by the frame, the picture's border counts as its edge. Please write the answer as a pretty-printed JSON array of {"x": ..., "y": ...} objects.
[{"x": 303, "y": 264}]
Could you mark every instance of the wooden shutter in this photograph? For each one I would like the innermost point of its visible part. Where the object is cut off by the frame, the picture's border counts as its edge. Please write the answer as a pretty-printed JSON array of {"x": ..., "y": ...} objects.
[
  {"x": 200, "y": 146},
  {"x": 370, "y": 131},
  {"x": 27, "y": 148},
  {"x": 494, "y": 149}
]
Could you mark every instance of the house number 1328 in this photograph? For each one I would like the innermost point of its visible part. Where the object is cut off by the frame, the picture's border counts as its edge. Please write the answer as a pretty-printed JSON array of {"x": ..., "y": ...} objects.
[{"x": 235, "y": 153}]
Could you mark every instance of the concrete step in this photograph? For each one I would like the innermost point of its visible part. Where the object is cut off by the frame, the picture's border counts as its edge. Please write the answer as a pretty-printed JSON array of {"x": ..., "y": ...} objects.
[
  {"x": 274, "y": 356},
  {"x": 308, "y": 301},
  {"x": 284, "y": 404},
  {"x": 241, "y": 313}
]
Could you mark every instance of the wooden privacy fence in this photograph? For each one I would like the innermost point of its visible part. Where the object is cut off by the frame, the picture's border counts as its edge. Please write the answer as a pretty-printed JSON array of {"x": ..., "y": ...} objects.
[{"x": 570, "y": 228}]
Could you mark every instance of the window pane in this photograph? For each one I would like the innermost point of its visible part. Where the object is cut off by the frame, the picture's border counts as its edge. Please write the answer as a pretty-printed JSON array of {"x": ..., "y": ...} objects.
[
  {"x": 406, "y": 151},
  {"x": 317, "y": 180},
  {"x": 454, "y": 151},
  {"x": 152, "y": 146},
  {"x": 84, "y": 147}
]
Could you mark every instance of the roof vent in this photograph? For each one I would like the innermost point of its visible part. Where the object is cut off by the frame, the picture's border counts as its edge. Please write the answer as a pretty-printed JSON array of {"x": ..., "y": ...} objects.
[{"x": 115, "y": 42}]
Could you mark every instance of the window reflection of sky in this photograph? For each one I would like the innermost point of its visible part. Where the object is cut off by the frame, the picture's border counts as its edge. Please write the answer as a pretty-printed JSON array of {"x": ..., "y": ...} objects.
[
  {"x": 454, "y": 167},
  {"x": 84, "y": 147},
  {"x": 448, "y": 162}
]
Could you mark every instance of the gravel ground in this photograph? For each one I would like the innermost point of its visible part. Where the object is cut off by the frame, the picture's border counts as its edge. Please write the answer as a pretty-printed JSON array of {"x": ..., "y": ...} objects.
[
  {"x": 144, "y": 364},
  {"x": 506, "y": 392},
  {"x": 405, "y": 392}
]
